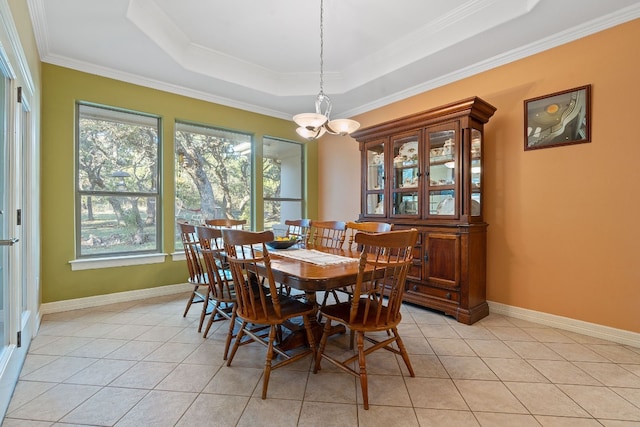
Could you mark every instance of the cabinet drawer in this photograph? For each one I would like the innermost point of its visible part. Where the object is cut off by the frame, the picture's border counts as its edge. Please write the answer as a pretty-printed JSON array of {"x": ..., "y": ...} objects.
[{"x": 445, "y": 294}]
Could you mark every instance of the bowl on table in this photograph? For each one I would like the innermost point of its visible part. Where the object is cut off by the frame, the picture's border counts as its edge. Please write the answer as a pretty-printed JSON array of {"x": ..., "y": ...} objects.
[{"x": 282, "y": 242}]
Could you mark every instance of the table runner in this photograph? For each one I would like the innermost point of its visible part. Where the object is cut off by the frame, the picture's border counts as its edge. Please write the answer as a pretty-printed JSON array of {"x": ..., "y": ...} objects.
[{"x": 314, "y": 257}]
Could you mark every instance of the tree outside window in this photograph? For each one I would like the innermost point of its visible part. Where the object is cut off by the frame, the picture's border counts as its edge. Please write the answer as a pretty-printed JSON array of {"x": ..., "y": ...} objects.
[
  {"x": 213, "y": 174},
  {"x": 117, "y": 181},
  {"x": 282, "y": 171}
]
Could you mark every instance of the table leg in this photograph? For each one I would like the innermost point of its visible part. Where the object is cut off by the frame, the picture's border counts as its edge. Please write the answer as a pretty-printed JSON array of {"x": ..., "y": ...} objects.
[{"x": 298, "y": 336}]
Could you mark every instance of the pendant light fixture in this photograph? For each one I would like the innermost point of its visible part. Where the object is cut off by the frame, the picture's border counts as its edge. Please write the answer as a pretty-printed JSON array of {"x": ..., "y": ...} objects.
[{"x": 314, "y": 125}]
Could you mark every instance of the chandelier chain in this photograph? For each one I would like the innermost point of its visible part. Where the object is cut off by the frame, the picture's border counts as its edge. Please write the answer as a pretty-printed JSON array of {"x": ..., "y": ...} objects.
[
  {"x": 322, "y": 47},
  {"x": 314, "y": 125}
]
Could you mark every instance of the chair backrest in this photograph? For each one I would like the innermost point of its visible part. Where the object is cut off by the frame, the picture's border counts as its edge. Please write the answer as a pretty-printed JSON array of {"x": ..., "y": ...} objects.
[
  {"x": 384, "y": 262},
  {"x": 354, "y": 228},
  {"x": 190, "y": 244},
  {"x": 298, "y": 228},
  {"x": 218, "y": 274},
  {"x": 327, "y": 234},
  {"x": 256, "y": 292},
  {"x": 226, "y": 223}
]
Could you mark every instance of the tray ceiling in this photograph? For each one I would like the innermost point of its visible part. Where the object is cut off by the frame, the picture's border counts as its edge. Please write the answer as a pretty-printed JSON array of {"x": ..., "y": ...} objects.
[{"x": 264, "y": 56}]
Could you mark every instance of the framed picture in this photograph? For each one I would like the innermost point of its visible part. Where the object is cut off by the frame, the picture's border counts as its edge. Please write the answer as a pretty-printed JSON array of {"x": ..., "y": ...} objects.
[{"x": 559, "y": 118}]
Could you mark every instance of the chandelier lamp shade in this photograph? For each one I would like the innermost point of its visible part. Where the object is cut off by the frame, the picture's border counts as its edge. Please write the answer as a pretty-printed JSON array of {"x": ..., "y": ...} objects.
[{"x": 314, "y": 125}]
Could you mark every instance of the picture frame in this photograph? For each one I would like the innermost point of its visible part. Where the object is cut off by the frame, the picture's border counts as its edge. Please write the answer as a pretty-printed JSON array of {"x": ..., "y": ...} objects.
[{"x": 559, "y": 118}]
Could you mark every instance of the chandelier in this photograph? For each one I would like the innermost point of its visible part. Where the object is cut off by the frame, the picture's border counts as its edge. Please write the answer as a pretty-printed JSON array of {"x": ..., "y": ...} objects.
[{"x": 314, "y": 125}]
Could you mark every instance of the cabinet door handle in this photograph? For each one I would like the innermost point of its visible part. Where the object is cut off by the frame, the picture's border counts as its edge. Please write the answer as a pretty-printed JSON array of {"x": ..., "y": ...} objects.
[
  {"x": 426, "y": 257},
  {"x": 415, "y": 288},
  {"x": 447, "y": 295}
]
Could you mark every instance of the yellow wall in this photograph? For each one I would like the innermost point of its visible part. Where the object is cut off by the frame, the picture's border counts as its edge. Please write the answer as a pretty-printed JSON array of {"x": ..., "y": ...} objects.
[
  {"x": 62, "y": 87},
  {"x": 562, "y": 235}
]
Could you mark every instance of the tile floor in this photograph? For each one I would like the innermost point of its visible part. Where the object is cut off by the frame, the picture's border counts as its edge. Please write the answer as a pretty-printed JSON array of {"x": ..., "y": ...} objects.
[{"x": 142, "y": 364}]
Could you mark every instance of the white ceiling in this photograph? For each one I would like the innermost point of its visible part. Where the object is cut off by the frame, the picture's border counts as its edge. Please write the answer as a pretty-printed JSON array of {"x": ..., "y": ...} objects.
[{"x": 264, "y": 55}]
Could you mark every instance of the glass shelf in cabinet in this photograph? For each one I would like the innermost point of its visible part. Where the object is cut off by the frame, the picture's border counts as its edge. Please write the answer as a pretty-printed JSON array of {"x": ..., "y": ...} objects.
[
  {"x": 442, "y": 185},
  {"x": 405, "y": 164},
  {"x": 440, "y": 160}
]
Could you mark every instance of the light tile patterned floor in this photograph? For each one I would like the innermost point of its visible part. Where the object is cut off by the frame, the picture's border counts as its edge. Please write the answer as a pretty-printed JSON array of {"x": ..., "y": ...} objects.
[{"x": 142, "y": 364}]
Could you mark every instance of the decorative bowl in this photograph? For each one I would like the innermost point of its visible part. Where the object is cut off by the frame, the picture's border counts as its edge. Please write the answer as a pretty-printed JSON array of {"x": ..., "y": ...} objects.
[{"x": 282, "y": 244}]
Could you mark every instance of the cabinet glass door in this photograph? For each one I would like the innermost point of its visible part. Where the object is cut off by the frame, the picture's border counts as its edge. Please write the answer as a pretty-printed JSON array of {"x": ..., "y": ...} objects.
[
  {"x": 406, "y": 175},
  {"x": 374, "y": 176},
  {"x": 443, "y": 172},
  {"x": 476, "y": 172}
]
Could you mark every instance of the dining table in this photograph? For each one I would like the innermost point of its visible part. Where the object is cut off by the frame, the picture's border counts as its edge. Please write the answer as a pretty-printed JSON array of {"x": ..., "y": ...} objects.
[{"x": 311, "y": 270}]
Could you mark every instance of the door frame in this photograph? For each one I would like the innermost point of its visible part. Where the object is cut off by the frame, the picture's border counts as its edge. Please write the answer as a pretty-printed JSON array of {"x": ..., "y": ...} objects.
[{"x": 22, "y": 148}]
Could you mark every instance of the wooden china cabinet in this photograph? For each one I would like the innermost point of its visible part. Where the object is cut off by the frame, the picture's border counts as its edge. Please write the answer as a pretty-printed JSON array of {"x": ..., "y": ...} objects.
[{"x": 426, "y": 171}]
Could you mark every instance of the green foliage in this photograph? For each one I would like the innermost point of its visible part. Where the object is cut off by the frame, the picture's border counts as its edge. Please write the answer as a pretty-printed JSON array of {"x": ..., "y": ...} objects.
[
  {"x": 212, "y": 176},
  {"x": 117, "y": 153}
]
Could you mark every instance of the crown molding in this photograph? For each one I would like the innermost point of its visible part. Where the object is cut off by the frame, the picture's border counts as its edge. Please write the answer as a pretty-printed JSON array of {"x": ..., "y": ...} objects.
[{"x": 567, "y": 36}]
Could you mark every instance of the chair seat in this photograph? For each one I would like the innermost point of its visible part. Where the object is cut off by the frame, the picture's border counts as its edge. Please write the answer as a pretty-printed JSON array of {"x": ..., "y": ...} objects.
[
  {"x": 341, "y": 312},
  {"x": 289, "y": 307},
  {"x": 203, "y": 280}
]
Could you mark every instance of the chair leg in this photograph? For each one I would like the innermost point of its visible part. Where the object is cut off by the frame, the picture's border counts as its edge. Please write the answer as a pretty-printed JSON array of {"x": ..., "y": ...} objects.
[
  {"x": 190, "y": 301},
  {"x": 209, "y": 323},
  {"x": 363, "y": 370},
  {"x": 403, "y": 352},
  {"x": 205, "y": 305},
  {"x": 236, "y": 344},
  {"x": 323, "y": 343},
  {"x": 267, "y": 362},
  {"x": 232, "y": 324}
]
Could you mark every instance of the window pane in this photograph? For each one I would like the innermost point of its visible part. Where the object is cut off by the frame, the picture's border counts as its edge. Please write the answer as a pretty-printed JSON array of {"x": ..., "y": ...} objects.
[
  {"x": 117, "y": 153},
  {"x": 117, "y": 224},
  {"x": 213, "y": 174},
  {"x": 282, "y": 169},
  {"x": 276, "y": 211}
]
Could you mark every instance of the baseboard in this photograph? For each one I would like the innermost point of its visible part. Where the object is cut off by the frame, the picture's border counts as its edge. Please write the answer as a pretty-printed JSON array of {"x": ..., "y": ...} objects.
[
  {"x": 98, "y": 300},
  {"x": 565, "y": 323},
  {"x": 591, "y": 329}
]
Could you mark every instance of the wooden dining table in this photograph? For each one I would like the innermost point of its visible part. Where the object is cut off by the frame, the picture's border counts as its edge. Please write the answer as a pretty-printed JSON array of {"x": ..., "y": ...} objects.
[{"x": 311, "y": 278}]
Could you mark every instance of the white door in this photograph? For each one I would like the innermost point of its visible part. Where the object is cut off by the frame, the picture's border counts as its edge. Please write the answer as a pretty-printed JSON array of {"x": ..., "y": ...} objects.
[
  {"x": 6, "y": 242},
  {"x": 18, "y": 296},
  {"x": 15, "y": 318}
]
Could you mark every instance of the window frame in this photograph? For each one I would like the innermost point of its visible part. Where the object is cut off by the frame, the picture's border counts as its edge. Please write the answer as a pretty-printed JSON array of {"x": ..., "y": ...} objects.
[
  {"x": 302, "y": 197},
  {"x": 156, "y": 195},
  {"x": 210, "y": 130}
]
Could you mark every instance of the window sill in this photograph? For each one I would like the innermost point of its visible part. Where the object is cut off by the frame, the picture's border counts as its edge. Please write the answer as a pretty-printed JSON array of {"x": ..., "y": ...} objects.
[
  {"x": 123, "y": 261},
  {"x": 178, "y": 256}
]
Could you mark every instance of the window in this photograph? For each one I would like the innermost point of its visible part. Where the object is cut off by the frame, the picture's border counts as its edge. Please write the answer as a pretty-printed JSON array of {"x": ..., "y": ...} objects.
[
  {"x": 282, "y": 169},
  {"x": 213, "y": 174},
  {"x": 117, "y": 182}
]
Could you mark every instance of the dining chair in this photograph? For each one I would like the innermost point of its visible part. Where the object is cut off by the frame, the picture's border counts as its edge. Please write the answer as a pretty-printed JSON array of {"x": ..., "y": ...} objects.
[
  {"x": 197, "y": 275},
  {"x": 221, "y": 292},
  {"x": 298, "y": 228},
  {"x": 226, "y": 223},
  {"x": 354, "y": 228},
  {"x": 375, "y": 307},
  {"x": 258, "y": 301},
  {"x": 327, "y": 234}
]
